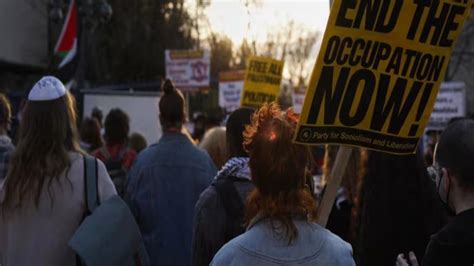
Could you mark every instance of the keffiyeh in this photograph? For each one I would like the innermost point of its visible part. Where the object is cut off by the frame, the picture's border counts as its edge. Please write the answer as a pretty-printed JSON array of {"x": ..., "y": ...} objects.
[{"x": 236, "y": 166}]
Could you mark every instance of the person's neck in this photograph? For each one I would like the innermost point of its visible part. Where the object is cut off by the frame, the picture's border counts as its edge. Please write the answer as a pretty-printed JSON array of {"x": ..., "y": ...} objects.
[
  {"x": 235, "y": 151},
  {"x": 173, "y": 130},
  {"x": 237, "y": 155},
  {"x": 464, "y": 203}
]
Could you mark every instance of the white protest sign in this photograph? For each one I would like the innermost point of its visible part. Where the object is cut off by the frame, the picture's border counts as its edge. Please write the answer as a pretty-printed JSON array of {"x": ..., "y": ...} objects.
[
  {"x": 188, "y": 69},
  {"x": 231, "y": 84},
  {"x": 450, "y": 103},
  {"x": 298, "y": 100}
]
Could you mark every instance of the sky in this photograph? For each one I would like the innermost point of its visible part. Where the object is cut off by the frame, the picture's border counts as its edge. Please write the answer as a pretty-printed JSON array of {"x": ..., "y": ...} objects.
[{"x": 230, "y": 17}]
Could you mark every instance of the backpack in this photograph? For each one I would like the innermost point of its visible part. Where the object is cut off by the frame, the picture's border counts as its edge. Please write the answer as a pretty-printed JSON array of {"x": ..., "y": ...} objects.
[
  {"x": 116, "y": 171},
  {"x": 109, "y": 234},
  {"x": 233, "y": 205}
]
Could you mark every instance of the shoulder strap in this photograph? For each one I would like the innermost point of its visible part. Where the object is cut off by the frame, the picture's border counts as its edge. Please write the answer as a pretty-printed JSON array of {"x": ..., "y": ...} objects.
[
  {"x": 230, "y": 197},
  {"x": 91, "y": 183}
]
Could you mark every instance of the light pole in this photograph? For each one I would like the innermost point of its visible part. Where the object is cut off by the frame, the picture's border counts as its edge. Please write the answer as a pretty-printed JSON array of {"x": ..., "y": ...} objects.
[{"x": 90, "y": 13}]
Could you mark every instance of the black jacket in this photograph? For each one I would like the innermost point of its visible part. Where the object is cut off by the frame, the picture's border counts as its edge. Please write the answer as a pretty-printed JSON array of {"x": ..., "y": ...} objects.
[
  {"x": 454, "y": 244},
  {"x": 213, "y": 225}
]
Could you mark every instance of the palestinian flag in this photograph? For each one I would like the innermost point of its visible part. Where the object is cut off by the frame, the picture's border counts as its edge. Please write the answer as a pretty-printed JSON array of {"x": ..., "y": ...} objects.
[{"x": 66, "y": 47}]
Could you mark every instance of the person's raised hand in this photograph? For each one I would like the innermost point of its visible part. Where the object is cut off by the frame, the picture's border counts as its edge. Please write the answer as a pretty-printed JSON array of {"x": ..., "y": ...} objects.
[{"x": 401, "y": 261}]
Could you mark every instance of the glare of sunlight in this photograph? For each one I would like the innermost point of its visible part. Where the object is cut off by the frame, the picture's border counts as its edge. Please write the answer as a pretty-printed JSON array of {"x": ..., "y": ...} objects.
[{"x": 232, "y": 18}]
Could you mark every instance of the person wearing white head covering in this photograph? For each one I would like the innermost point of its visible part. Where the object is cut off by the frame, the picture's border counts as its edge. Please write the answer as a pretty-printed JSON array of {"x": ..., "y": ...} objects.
[
  {"x": 42, "y": 199},
  {"x": 46, "y": 89}
]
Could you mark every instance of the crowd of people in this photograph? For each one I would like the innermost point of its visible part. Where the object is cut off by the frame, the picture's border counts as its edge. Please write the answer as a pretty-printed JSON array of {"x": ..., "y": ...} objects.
[{"x": 233, "y": 193}]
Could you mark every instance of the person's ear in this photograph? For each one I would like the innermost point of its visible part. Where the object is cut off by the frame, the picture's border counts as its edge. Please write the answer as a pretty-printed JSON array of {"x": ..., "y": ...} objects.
[{"x": 447, "y": 178}]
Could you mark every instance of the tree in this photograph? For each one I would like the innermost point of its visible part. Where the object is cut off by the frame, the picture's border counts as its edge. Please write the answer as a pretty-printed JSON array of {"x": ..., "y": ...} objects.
[
  {"x": 221, "y": 60},
  {"x": 462, "y": 62},
  {"x": 201, "y": 22},
  {"x": 131, "y": 46},
  {"x": 299, "y": 58},
  {"x": 297, "y": 47},
  {"x": 244, "y": 51},
  {"x": 221, "y": 54}
]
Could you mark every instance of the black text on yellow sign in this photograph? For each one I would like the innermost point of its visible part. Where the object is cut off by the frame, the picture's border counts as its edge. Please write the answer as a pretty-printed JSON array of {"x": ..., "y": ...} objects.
[
  {"x": 262, "y": 81},
  {"x": 379, "y": 70}
]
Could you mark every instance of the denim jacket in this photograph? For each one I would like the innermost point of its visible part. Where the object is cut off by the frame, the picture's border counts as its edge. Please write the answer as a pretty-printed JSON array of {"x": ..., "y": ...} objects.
[
  {"x": 163, "y": 187},
  {"x": 314, "y": 245}
]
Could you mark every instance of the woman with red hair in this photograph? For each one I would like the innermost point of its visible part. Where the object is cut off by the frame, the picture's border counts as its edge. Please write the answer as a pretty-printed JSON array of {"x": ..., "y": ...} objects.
[{"x": 280, "y": 212}]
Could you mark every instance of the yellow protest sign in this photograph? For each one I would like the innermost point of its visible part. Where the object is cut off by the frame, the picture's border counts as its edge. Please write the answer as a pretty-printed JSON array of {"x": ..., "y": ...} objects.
[
  {"x": 262, "y": 81},
  {"x": 378, "y": 72}
]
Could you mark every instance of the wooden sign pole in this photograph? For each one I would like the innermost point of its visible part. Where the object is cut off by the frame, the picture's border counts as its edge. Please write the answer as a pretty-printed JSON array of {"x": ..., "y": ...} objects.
[{"x": 335, "y": 178}]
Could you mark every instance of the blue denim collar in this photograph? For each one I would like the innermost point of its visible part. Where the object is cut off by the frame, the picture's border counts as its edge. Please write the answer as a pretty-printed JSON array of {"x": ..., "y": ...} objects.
[
  {"x": 260, "y": 218},
  {"x": 173, "y": 136}
]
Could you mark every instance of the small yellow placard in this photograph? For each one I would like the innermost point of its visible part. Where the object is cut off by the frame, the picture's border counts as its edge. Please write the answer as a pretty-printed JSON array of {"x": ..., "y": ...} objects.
[{"x": 262, "y": 81}]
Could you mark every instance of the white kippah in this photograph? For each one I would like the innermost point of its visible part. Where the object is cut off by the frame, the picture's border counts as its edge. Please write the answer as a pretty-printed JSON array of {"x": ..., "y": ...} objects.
[{"x": 48, "y": 88}]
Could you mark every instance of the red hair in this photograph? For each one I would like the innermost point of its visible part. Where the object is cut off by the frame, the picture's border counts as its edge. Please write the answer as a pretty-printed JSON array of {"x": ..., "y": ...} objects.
[{"x": 279, "y": 169}]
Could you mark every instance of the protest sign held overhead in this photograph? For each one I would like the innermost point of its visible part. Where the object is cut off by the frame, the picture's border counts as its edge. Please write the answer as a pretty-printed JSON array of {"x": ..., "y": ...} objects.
[
  {"x": 298, "y": 98},
  {"x": 378, "y": 72},
  {"x": 230, "y": 89},
  {"x": 450, "y": 103},
  {"x": 188, "y": 69},
  {"x": 262, "y": 81}
]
